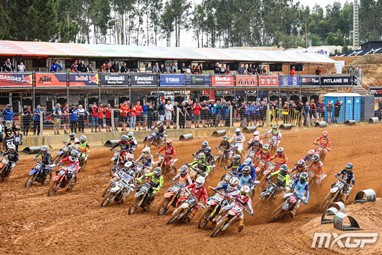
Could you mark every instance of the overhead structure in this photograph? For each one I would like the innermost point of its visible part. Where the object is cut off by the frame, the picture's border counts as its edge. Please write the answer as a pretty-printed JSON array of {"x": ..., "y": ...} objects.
[{"x": 355, "y": 25}]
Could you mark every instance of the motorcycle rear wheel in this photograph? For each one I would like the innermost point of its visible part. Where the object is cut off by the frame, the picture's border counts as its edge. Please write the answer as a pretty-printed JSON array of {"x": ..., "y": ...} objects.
[
  {"x": 71, "y": 184},
  {"x": 219, "y": 227},
  {"x": 133, "y": 208},
  {"x": 106, "y": 201},
  {"x": 203, "y": 220}
]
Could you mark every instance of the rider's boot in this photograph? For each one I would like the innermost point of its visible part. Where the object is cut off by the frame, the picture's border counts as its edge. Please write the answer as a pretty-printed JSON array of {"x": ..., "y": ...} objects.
[
  {"x": 190, "y": 216},
  {"x": 293, "y": 212},
  {"x": 241, "y": 225},
  {"x": 343, "y": 197}
]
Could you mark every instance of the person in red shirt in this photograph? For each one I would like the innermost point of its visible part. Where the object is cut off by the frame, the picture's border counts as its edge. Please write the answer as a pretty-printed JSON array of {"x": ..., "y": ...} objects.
[
  {"x": 133, "y": 117},
  {"x": 197, "y": 190},
  {"x": 279, "y": 158},
  {"x": 197, "y": 109},
  {"x": 124, "y": 110},
  {"x": 108, "y": 117},
  {"x": 292, "y": 71},
  {"x": 94, "y": 117},
  {"x": 169, "y": 153},
  {"x": 101, "y": 111},
  {"x": 138, "y": 113},
  {"x": 324, "y": 145}
]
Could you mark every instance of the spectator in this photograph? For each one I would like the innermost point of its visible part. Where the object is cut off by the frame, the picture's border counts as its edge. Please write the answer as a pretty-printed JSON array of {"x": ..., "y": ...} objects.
[
  {"x": 56, "y": 117},
  {"x": 123, "y": 68},
  {"x": 8, "y": 67},
  {"x": 73, "y": 117},
  {"x": 240, "y": 70},
  {"x": 100, "y": 116},
  {"x": 74, "y": 67},
  {"x": 199, "y": 68},
  {"x": 222, "y": 69},
  {"x": 8, "y": 113},
  {"x": 138, "y": 113},
  {"x": 189, "y": 111},
  {"x": 89, "y": 68},
  {"x": 38, "y": 112},
  {"x": 169, "y": 109},
  {"x": 330, "y": 111},
  {"x": 21, "y": 67},
  {"x": 55, "y": 66},
  {"x": 65, "y": 114},
  {"x": 108, "y": 111},
  {"x": 115, "y": 67},
  {"x": 26, "y": 120},
  {"x": 196, "y": 107},
  {"x": 124, "y": 111},
  {"x": 337, "y": 110},
  {"x": 173, "y": 68},
  {"x": 145, "y": 113},
  {"x": 227, "y": 70},
  {"x": 183, "y": 68},
  {"x": 81, "y": 118},
  {"x": 94, "y": 110},
  {"x": 318, "y": 110},
  {"x": 156, "y": 68},
  {"x": 82, "y": 67},
  {"x": 217, "y": 68},
  {"x": 117, "y": 115},
  {"x": 318, "y": 71},
  {"x": 204, "y": 113},
  {"x": 162, "y": 69},
  {"x": 312, "y": 111},
  {"x": 182, "y": 115},
  {"x": 150, "y": 115},
  {"x": 162, "y": 111},
  {"x": 133, "y": 117},
  {"x": 292, "y": 71}
]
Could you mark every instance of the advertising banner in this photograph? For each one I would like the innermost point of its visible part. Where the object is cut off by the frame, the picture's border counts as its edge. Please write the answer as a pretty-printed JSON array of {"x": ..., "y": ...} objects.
[
  {"x": 113, "y": 79},
  {"x": 51, "y": 80},
  {"x": 310, "y": 80},
  {"x": 290, "y": 80},
  {"x": 222, "y": 81},
  {"x": 246, "y": 80},
  {"x": 335, "y": 81},
  {"x": 79, "y": 80},
  {"x": 144, "y": 80},
  {"x": 171, "y": 80},
  {"x": 197, "y": 80},
  {"x": 15, "y": 80},
  {"x": 376, "y": 91},
  {"x": 268, "y": 80}
]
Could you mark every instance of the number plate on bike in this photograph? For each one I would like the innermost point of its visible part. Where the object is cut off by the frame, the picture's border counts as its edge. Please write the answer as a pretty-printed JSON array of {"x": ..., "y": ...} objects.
[{"x": 62, "y": 172}]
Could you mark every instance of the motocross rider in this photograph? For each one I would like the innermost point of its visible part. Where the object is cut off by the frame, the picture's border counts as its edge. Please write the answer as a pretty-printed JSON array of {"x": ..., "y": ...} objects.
[
  {"x": 255, "y": 144},
  {"x": 323, "y": 142},
  {"x": 308, "y": 157},
  {"x": 13, "y": 157},
  {"x": 246, "y": 178},
  {"x": 299, "y": 168},
  {"x": 347, "y": 175},
  {"x": 230, "y": 187},
  {"x": 225, "y": 146},
  {"x": 132, "y": 143},
  {"x": 83, "y": 147},
  {"x": 275, "y": 135},
  {"x": 248, "y": 162},
  {"x": 124, "y": 146},
  {"x": 46, "y": 157},
  {"x": 263, "y": 154},
  {"x": 283, "y": 178},
  {"x": 197, "y": 189},
  {"x": 72, "y": 161},
  {"x": 201, "y": 149},
  {"x": 156, "y": 183},
  {"x": 279, "y": 158},
  {"x": 146, "y": 158},
  {"x": 72, "y": 139},
  {"x": 234, "y": 164},
  {"x": 238, "y": 140},
  {"x": 210, "y": 160},
  {"x": 169, "y": 152},
  {"x": 317, "y": 167},
  {"x": 301, "y": 188},
  {"x": 183, "y": 176},
  {"x": 159, "y": 130},
  {"x": 201, "y": 164}
]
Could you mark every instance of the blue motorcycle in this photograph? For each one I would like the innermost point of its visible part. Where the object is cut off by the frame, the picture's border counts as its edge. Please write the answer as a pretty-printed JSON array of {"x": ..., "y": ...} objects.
[{"x": 40, "y": 173}]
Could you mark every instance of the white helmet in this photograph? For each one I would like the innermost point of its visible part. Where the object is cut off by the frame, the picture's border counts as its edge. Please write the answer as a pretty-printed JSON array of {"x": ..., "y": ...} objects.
[
  {"x": 248, "y": 161},
  {"x": 199, "y": 182},
  {"x": 146, "y": 150},
  {"x": 237, "y": 130},
  {"x": 256, "y": 133},
  {"x": 128, "y": 164}
]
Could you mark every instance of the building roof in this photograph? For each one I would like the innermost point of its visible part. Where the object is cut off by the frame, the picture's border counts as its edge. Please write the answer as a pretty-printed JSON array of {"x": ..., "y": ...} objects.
[{"x": 46, "y": 49}]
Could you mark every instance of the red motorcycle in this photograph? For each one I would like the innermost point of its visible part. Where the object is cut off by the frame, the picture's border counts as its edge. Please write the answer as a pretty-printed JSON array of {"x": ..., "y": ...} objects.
[
  {"x": 66, "y": 178},
  {"x": 171, "y": 198}
]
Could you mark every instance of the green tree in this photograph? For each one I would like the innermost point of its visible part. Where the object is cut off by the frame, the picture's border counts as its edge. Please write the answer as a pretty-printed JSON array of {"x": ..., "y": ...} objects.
[{"x": 4, "y": 28}]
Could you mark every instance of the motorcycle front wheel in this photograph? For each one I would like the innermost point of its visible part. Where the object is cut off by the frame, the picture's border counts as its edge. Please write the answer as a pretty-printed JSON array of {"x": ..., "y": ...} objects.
[
  {"x": 175, "y": 216},
  {"x": 71, "y": 184},
  {"x": 134, "y": 206},
  {"x": 48, "y": 177},
  {"x": 29, "y": 182},
  {"x": 53, "y": 189},
  {"x": 162, "y": 209},
  {"x": 219, "y": 227},
  {"x": 203, "y": 220}
]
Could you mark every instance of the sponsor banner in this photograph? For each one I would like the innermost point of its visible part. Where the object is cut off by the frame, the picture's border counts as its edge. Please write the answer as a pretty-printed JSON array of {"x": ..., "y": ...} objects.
[
  {"x": 268, "y": 80},
  {"x": 15, "y": 80},
  {"x": 51, "y": 80},
  {"x": 79, "y": 80},
  {"x": 197, "y": 80},
  {"x": 144, "y": 80},
  {"x": 171, "y": 80},
  {"x": 310, "y": 80},
  {"x": 222, "y": 81},
  {"x": 113, "y": 79},
  {"x": 246, "y": 80},
  {"x": 290, "y": 80},
  {"x": 336, "y": 81},
  {"x": 376, "y": 91}
]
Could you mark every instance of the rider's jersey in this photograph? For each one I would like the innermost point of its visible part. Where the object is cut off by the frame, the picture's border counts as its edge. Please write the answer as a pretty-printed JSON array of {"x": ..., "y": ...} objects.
[
  {"x": 317, "y": 168},
  {"x": 225, "y": 145},
  {"x": 234, "y": 165},
  {"x": 253, "y": 170},
  {"x": 12, "y": 157},
  {"x": 168, "y": 151},
  {"x": 347, "y": 177},
  {"x": 71, "y": 165},
  {"x": 275, "y": 136},
  {"x": 279, "y": 160},
  {"x": 198, "y": 192},
  {"x": 202, "y": 166},
  {"x": 186, "y": 180},
  {"x": 69, "y": 141},
  {"x": 301, "y": 189},
  {"x": 83, "y": 147},
  {"x": 244, "y": 200},
  {"x": 323, "y": 142},
  {"x": 156, "y": 183},
  {"x": 255, "y": 146},
  {"x": 246, "y": 180},
  {"x": 210, "y": 160},
  {"x": 46, "y": 159},
  {"x": 282, "y": 180},
  {"x": 160, "y": 129},
  {"x": 146, "y": 160},
  {"x": 226, "y": 188},
  {"x": 237, "y": 139},
  {"x": 263, "y": 156}
]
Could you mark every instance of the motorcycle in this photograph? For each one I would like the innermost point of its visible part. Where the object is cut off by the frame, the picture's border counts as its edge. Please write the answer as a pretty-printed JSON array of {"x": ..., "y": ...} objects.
[
  {"x": 318, "y": 179},
  {"x": 65, "y": 178},
  {"x": 335, "y": 193},
  {"x": 223, "y": 156},
  {"x": 4, "y": 170},
  {"x": 187, "y": 205},
  {"x": 214, "y": 205},
  {"x": 120, "y": 189},
  {"x": 270, "y": 191},
  {"x": 321, "y": 151},
  {"x": 290, "y": 201},
  {"x": 141, "y": 198},
  {"x": 141, "y": 170},
  {"x": 171, "y": 198},
  {"x": 270, "y": 168},
  {"x": 229, "y": 218},
  {"x": 40, "y": 173},
  {"x": 155, "y": 139},
  {"x": 273, "y": 144},
  {"x": 83, "y": 160},
  {"x": 63, "y": 153},
  {"x": 194, "y": 171},
  {"x": 117, "y": 161},
  {"x": 162, "y": 164}
]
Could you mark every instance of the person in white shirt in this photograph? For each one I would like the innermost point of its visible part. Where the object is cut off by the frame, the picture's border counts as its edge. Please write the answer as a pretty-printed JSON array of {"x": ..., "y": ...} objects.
[{"x": 169, "y": 109}]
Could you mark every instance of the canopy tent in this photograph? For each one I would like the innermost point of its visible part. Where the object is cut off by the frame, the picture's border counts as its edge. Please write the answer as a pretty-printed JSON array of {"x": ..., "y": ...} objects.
[{"x": 46, "y": 49}]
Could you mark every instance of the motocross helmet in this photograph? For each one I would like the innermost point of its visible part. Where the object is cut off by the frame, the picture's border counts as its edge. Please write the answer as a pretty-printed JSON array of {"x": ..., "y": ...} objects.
[
  {"x": 74, "y": 153},
  {"x": 225, "y": 138},
  {"x": 169, "y": 142},
  {"x": 349, "y": 167},
  {"x": 204, "y": 144},
  {"x": 284, "y": 170},
  {"x": 183, "y": 170},
  {"x": 248, "y": 161},
  {"x": 311, "y": 152},
  {"x": 244, "y": 191},
  {"x": 123, "y": 138},
  {"x": 44, "y": 149},
  {"x": 199, "y": 182},
  {"x": 256, "y": 133},
  {"x": 207, "y": 151},
  {"x": 246, "y": 170},
  {"x": 130, "y": 136},
  {"x": 12, "y": 148},
  {"x": 315, "y": 158},
  {"x": 266, "y": 148},
  {"x": 146, "y": 150},
  {"x": 280, "y": 151},
  {"x": 300, "y": 163},
  {"x": 159, "y": 123},
  {"x": 227, "y": 177},
  {"x": 128, "y": 164},
  {"x": 131, "y": 173},
  {"x": 237, "y": 157},
  {"x": 256, "y": 139},
  {"x": 237, "y": 131},
  {"x": 83, "y": 138},
  {"x": 234, "y": 182},
  {"x": 303, "y": 177},
  {"x": 157, "y": 172},
  {"x": 130, "y": 157},
  {"x": 202, "y": 157},
  {"x": 72, "y": 136},
  {"x": 325, "y": 134}
]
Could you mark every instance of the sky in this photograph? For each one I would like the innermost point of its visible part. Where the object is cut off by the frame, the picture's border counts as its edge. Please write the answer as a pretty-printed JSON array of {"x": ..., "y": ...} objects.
[{"x": 187, "y": 37}]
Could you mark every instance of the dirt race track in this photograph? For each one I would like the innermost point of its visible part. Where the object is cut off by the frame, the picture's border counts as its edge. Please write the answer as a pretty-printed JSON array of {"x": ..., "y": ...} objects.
[{"x": 73, "y": 223}]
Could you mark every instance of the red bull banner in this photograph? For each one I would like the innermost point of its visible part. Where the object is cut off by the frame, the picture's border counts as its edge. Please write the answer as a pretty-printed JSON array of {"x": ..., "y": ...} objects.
[
  {"x": 50, "y": 79},
  {"x": 222, "y": 81},
  {"x": 16, "y": 80},
  {"x": 81, "y": 79},
  {"x": 269, "y": 80},
  {"x": 246, "y": 81}
]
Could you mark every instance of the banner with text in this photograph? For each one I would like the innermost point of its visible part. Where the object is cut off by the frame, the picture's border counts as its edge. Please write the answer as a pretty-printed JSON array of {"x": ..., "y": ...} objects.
[
  {"x": 246, "y": 81},
  {"x": 80, "y": 80},
  {"x": 171, "y": 80},
  {"x": 290, "y": 80},
  {"x": 16, "y": 80},
  {"x": 114, "y": 79},
  {"x": 310, "y": 80},
  {"x": 51, "y": 80},
  {"x": 197, "y": 80},
  {"x": 335, "y": 81},
  {"x": 268, "y": 80},
  {"x": 144, "y": 80},
  {"x": 222, "y": 81}
]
